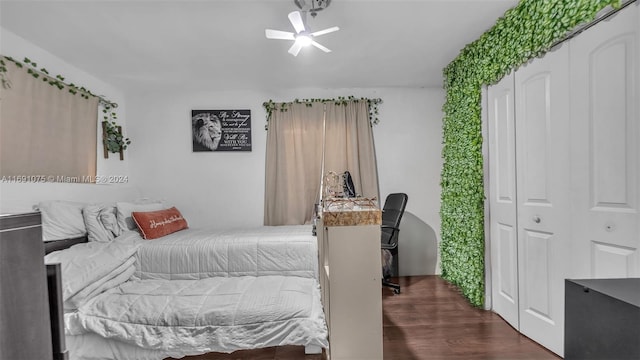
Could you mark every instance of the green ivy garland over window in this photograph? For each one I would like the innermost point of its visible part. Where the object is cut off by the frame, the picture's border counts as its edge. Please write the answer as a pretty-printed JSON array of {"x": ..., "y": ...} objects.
[
  {"x": 271, "y": 106},
  {"x": 525, "y": 31}
]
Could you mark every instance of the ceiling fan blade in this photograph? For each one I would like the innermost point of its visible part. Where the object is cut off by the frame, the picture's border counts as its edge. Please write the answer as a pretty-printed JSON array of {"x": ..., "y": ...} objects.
[
  {"x": 296, "y": 20},
  {"x": 277, "y": 34},
  {"x": 295, "y": 48},
  {"x": 325, "y": 31},
  {"x": 320, "y": 46}
]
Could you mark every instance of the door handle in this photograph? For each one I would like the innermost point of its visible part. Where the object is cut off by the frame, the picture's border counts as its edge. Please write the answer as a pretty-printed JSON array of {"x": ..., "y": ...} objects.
[{"x": 536, "y": 219}]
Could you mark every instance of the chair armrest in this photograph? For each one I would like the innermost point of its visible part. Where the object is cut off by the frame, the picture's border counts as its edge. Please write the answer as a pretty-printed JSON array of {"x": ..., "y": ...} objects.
[{"x": 388, "y": 246}]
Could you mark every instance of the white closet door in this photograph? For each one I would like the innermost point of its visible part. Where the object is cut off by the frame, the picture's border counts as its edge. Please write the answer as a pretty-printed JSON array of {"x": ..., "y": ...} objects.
[
  {"x": 605, "y": 148},
  {"x": 543, "y": 178},
  {"x": 502, "y": 200}
]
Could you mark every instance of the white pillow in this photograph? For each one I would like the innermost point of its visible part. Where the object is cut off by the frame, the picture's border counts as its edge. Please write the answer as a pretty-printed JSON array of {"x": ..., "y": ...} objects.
[
  {"x": 124, "y": 210},
  {"x": 101, "y": 222},
  {"x": 61, "y": 219},
  {"x": 110, "y": 222}
]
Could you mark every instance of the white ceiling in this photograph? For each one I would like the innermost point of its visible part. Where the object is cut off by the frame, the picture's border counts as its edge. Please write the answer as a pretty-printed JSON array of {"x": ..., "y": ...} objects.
[{"x": 220, "y": 44}]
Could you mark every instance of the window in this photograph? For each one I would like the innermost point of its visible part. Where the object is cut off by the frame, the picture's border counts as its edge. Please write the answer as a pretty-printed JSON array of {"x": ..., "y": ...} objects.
[
  {"x": 45, "y": 131},
  {"x": 294, "y": 156}
]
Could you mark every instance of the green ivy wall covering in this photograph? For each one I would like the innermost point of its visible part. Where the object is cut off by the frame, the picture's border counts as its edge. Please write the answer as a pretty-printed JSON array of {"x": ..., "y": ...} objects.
[{"x": 525, "y": 31}]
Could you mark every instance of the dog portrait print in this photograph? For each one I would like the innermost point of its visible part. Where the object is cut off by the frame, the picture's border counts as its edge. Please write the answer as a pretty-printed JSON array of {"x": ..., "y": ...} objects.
[{"x": 206, "y": 131}]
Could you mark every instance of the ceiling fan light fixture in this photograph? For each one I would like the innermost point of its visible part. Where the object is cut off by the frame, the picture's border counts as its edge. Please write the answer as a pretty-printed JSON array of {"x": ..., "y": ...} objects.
[{"x": 304, "y": 40}]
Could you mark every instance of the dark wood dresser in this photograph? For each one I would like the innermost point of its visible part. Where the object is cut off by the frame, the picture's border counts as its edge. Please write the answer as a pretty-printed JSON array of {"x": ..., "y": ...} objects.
[
  {"x": 602, "y": 319},
  {"x": 25, "y": 327}
]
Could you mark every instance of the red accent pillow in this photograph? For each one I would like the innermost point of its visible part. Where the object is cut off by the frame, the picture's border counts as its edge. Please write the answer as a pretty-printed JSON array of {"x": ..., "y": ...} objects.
[{"x": 155, "y": 224}]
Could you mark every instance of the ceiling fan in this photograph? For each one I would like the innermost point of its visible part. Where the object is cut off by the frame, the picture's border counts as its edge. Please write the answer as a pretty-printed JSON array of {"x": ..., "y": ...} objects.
[{"x": 303, "y": 36}]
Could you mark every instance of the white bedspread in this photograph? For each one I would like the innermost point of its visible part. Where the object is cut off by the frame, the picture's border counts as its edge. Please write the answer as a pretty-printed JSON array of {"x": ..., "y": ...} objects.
[
  {"x": 220, "y": 314},
  {"x": 88, "y": 269},
  {"x": 90, "y": 346},
  {"x": 202, "y": 253},
  {"x": 198, "y": 299}
]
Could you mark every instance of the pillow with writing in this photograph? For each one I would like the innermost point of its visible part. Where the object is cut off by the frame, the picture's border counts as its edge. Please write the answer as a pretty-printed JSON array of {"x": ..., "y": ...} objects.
[{"x": 155, "y": 224}]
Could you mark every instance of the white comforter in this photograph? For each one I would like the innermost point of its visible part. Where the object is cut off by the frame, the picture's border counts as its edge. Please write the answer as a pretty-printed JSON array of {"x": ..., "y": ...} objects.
[
  {"x": 188, "y": 317},
  {"x": 201, "y": 253},
  {"x": 158, "y": 318},
  {"x": 88, "y": 269}
]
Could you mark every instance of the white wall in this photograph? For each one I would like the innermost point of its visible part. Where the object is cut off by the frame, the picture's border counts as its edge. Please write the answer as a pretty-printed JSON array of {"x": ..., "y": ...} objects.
[
  {"x": 20, "y": 197},
  {"x": 225, "y": 189},
  {"x": 409, "y": 153}
]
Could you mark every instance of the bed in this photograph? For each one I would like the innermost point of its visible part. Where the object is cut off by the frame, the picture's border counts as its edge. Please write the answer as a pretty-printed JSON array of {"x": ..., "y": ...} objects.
[{"x": 190, "y": 292}]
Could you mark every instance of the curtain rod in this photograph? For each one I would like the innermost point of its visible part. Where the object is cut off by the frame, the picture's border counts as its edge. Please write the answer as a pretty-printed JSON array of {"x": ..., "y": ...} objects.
[{"x": 574, "y": 33}]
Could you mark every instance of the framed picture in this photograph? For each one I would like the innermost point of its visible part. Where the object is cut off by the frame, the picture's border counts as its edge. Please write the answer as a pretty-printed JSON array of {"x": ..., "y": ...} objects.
[{"x": 221, "y": 130}]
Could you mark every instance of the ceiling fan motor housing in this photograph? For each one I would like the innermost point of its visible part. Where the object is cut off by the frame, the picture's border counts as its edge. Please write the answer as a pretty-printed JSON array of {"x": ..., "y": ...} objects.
[{"x": 312, "y": 6}]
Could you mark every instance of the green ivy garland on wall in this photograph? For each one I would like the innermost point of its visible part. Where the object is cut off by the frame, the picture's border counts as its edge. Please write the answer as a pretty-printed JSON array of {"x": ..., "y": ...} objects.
[
  {"x": 526, "y": 31},
  {"x": 113, "y": 139},
  {"x": 271, "y": 106}
]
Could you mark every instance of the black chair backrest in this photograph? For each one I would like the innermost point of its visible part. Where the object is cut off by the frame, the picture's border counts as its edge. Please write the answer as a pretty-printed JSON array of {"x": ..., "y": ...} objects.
[{"x": 392, "y": 212}]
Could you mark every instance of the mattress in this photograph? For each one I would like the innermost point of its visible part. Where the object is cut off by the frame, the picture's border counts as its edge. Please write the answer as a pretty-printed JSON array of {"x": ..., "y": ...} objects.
[
  {"x": 193, "y": 254},
  {"x": 221, "y": 314}
]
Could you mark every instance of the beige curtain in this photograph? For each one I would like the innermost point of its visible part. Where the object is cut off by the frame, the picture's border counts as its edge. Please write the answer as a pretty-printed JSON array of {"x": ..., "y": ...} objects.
[
  {"x": 45, "y": 131},
  {"x": 294, "y": 156}
]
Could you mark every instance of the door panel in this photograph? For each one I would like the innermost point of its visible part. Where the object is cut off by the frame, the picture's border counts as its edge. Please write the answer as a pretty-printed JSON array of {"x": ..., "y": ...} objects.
[
  {"x": 612, "y": 261},
  {"x": 611, "y": 163},
  {"x": 536, "y": 297},
  {"x": 543, "y": 178},
  {"x": 507, "y": 266},
  {"x": 502, "y": 200},
  {"x": 605, "y": 158},
  {"x": 533, "y": 97}
]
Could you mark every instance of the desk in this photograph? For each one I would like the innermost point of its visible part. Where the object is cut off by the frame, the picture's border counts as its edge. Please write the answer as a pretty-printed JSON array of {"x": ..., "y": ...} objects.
[{"x": 25, "y": 330}]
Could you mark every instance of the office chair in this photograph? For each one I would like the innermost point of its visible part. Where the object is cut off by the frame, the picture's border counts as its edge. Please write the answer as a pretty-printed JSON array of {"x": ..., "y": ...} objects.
[{"x": 392, "y": 212}]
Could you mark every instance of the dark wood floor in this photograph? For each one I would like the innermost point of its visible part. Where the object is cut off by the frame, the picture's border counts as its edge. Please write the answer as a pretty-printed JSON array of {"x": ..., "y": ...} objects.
[{"x": 429, "y": 320}]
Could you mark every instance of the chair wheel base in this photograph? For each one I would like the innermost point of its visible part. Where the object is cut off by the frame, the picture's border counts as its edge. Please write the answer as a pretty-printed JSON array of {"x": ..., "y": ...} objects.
[{"x": 395, "y": 287}]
